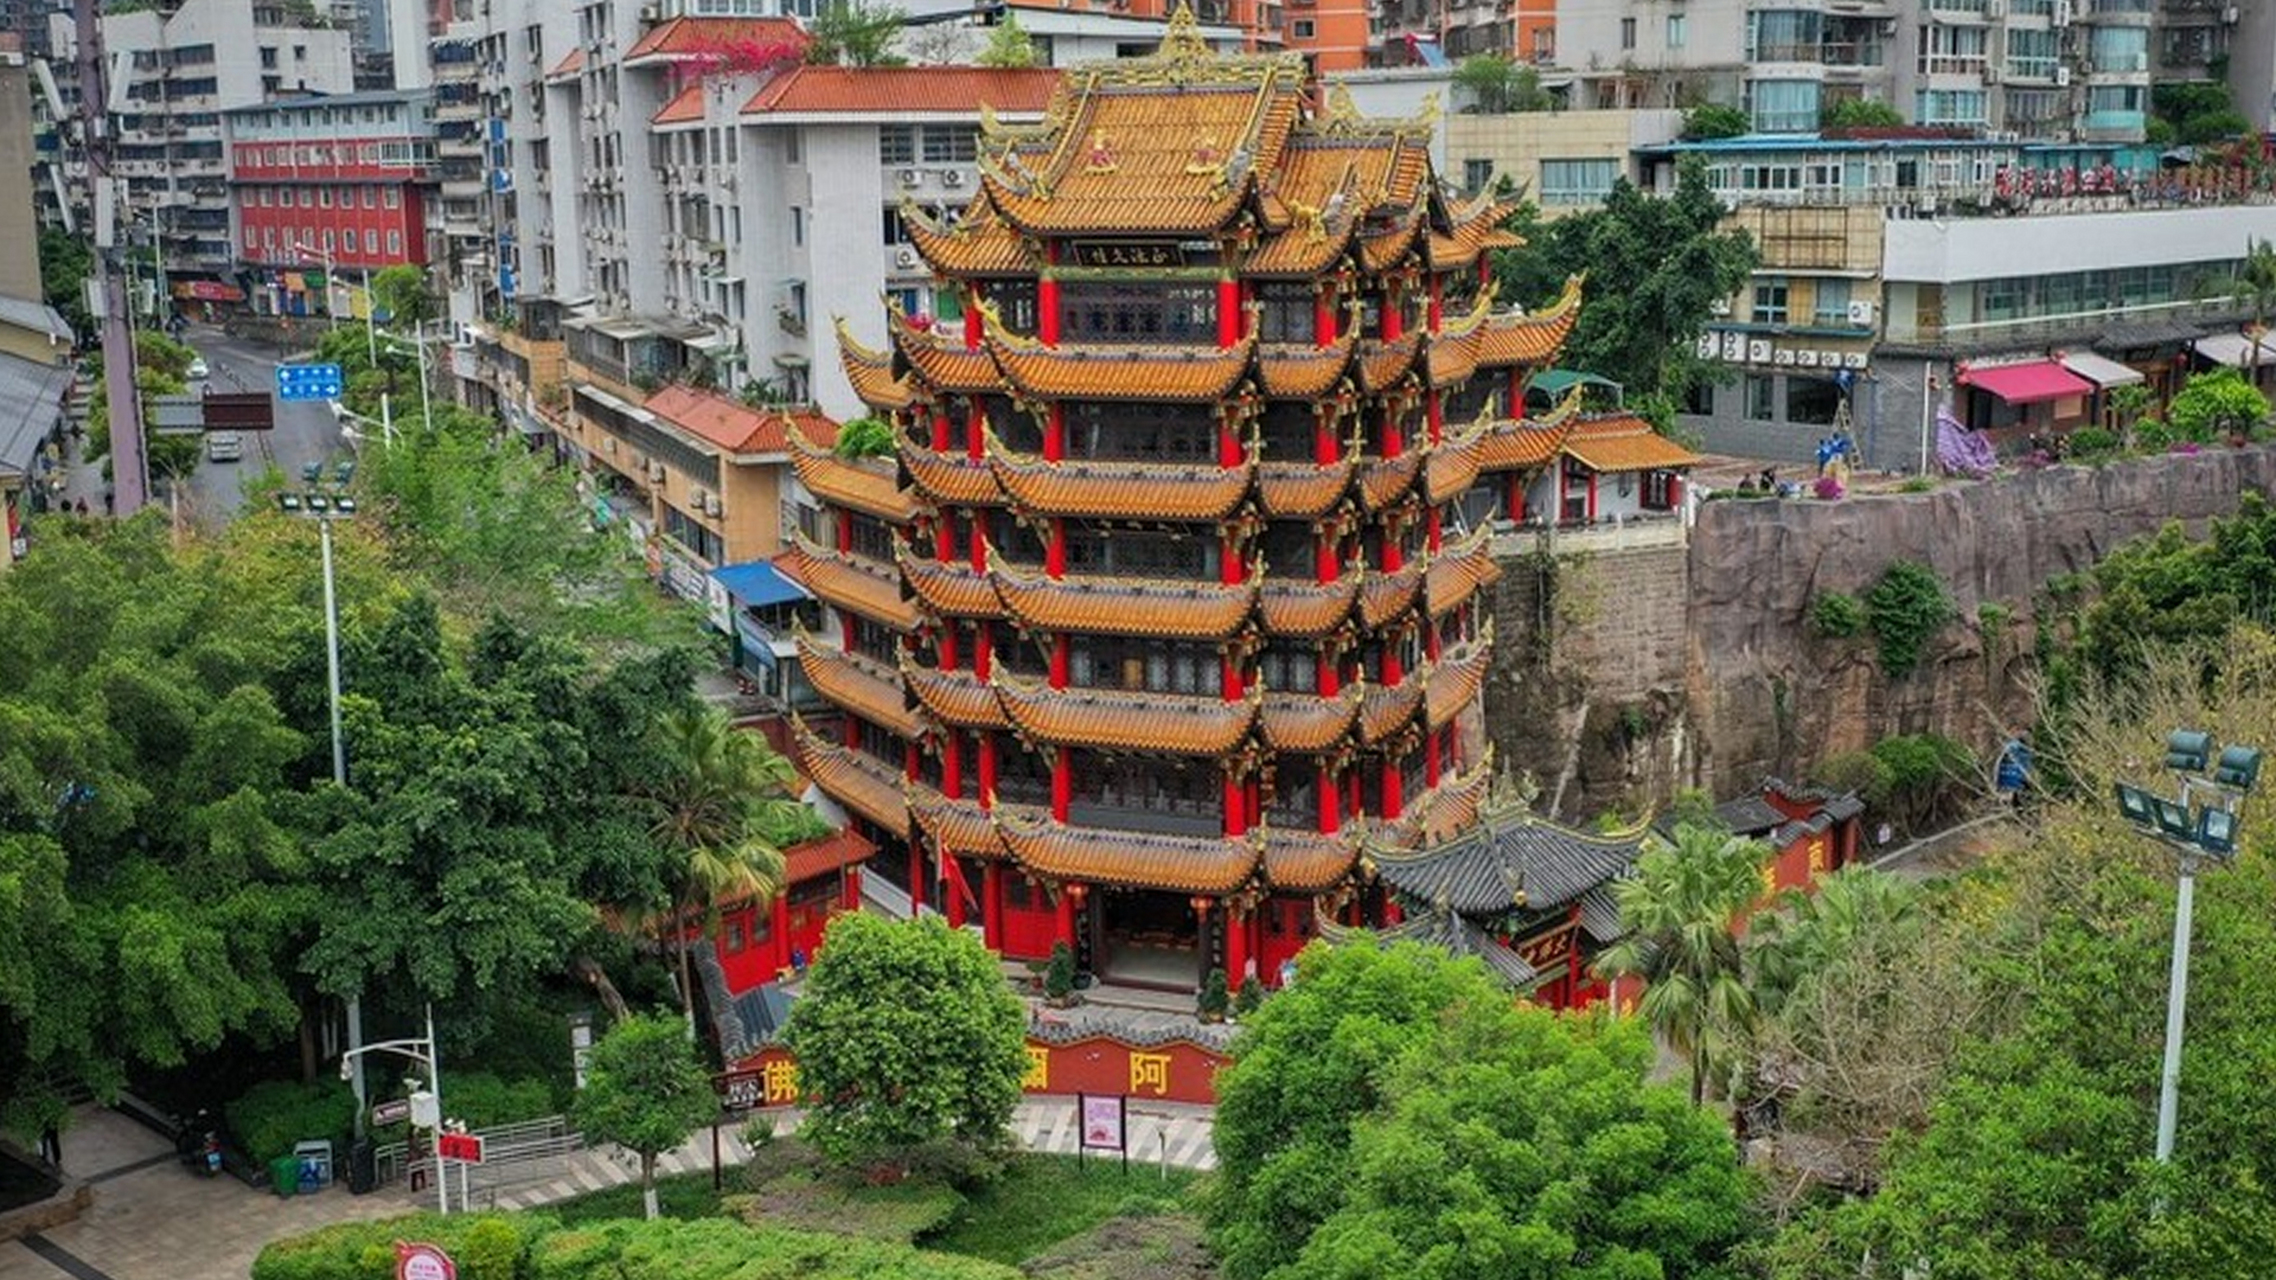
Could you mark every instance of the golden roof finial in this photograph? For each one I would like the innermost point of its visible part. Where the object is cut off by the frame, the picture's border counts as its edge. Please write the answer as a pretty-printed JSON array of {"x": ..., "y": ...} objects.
[{"x": 1182, "y": 41}]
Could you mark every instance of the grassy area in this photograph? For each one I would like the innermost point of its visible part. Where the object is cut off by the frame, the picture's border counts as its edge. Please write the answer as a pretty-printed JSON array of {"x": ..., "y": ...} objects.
[
  {"x": 1042, "y": 1200},
  {"x": 1039, "y": 1202}
]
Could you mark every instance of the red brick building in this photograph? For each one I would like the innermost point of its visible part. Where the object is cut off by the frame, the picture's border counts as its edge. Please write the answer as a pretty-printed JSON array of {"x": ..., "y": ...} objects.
[{"x": 335, "y": 182}]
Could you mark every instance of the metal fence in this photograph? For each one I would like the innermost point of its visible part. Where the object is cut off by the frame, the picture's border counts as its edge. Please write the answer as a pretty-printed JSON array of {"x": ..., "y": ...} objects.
[{"x": 512, "y": 1155}]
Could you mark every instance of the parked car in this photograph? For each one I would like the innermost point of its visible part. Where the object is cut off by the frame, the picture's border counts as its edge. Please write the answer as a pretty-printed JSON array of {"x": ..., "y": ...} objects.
[
  {"x": 312, "y": 472},
  {"x": 224, "y": 446},
  {"x": 199, "y": 370}
]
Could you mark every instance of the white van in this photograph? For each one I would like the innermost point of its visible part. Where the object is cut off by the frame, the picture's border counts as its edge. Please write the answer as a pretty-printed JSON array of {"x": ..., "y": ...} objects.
[{"x": 224, "y": 446}]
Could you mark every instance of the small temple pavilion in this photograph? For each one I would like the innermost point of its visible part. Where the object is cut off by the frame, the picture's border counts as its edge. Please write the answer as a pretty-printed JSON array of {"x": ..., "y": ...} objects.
[{"x": 1171, "y": 602}]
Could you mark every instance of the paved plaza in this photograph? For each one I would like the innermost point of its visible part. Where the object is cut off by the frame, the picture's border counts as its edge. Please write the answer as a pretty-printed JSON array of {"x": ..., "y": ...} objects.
[{"x": 153, "y": 1220}]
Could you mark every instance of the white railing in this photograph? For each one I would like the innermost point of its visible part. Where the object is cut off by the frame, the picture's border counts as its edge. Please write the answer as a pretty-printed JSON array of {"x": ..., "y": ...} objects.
[{"x": 511, "y": 1153}]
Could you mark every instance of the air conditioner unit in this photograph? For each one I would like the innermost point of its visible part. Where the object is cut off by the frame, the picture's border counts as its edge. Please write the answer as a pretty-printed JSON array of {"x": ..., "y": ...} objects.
[
  {"x": 1783, "y": 356},
  {"x": 1758, "y": 350},
  {"x": 905, "y": 258},
  {"x": 1861, "y": 313},
  {"x": 2230, "y": 15},
  {"x": 2062, "y": 77},
  {"x": 1806, "y": 359},
  {"x": 651, "y": 13},
  {"x": 1853, "y": 360},
  {"x": 711, "y": 504},
  {"x": 1995, "y": 9},
  {"x": 1830, "y": 359},
  {"x": 656, "y": 471},
  {"x": 911, "y": 177},
  {"x": 609, "y": 447},
  {"x": 1991, "y": 73},
  {"x": 1719, "y": 307},
  {"x": 952, "y": 177}
]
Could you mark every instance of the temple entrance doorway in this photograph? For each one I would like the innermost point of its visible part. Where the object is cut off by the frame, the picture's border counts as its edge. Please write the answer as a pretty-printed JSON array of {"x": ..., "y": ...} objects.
[{"x": 1150, "y": 940}]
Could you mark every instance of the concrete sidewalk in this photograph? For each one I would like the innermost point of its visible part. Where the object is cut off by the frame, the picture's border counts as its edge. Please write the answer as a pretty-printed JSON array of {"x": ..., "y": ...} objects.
[{"x": 154, "y": 1220}]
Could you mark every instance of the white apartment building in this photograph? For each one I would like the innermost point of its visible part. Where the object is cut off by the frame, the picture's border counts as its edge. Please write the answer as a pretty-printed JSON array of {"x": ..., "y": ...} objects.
[{"x": 171, "y": 77}]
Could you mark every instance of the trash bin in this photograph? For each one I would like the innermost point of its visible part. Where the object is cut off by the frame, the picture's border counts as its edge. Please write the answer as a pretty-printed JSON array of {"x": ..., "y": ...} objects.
[
  {"x": 284, "y": 1175},
  {"x": 363, "y": 1168}
]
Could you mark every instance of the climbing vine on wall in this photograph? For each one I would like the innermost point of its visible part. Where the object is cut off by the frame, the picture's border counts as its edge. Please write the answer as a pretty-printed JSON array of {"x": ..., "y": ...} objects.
[{"x": 1906, "y": 607}]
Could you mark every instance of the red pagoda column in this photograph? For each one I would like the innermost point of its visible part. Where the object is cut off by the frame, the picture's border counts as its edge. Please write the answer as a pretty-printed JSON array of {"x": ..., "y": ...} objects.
[
  {"x": 1434, "y": 530},
  {"x": 944, "y": 537},
  {"x": 953, "y": 891},
  {"x": 1324, "y": 567},
  {"x": 1228, "y": 443},
  {"x": 976, "y": 432},
  {"x": 1434, "y": 415},
  {"x": 1394, "y": 317},
  {"x": 942, "y": 429},
  {"x": 973, "y": 323},
  {"x": 1330, "y": 679},
  {"x": 1430, "y": 759},
  {"x": 1394, "y": 788},
  {"x": 1236, "y": 947},
  {"x": 1437, "y": 302},
  {"x": 1055, "y": 550},
  {"x": 1055, "y": 434},
  {"x": 909, "y": 759},
  {"x": 1047, "y": 298},
  {"x": 1060, "y": 660},
  {"x": 1230, "y": 570},
  {"x": 916, "y": 873},
  {"x": 952, "y": 765},
  {"x": 1228, "y": 312},
  {"x": 1394, "y": 436},
  {"x": 982, "y": 649},
  {"x": 1326, "y": 449},
  {"x": 992, "y": 904},
  {"x": 1331, "y": 812},
  {"x": 947, "y": 642},
  {"x": 1324, "y": 315},
  {"x": 1236, "y": 803},
  {"x": 987, "y": 769},
  {"x": 1517, "y": 497},
  {"x": 1062, "y": 784}
]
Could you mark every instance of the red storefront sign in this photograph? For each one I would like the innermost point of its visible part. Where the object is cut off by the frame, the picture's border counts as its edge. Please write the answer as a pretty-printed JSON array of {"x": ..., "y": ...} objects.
[
  {"x": 466, "y": 1147},
  {"x": 1104, "y": 1066}
]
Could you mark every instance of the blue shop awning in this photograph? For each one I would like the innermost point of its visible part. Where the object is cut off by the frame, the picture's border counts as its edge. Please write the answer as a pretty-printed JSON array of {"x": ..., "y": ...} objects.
[{"x": 756, "y": 583}]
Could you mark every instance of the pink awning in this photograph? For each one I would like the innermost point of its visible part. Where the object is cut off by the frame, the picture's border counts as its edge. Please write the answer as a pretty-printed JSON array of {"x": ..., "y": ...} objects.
[{"x": 2033, "y": 383}]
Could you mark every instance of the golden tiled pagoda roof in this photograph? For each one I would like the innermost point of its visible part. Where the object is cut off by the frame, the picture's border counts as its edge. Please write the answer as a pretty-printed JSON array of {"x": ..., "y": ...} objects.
[
  {"x": 950, "y": 588},
  {"x": 960, "y": 698},
  {"x": 1384, "y": 596},
  {"x": 849, "y": 582},
  {"x": 1624, "y": 442},
  {"x": 1312, "y": 244},
  {"x": 980, "y": 244},
  {"x": 1454, "y": 681},
  {"x": 1303, "y": 490},
  {"x": 1308, "y": 861},
  {"x": 1303, "y": 370},
  {"x": 1120, "y": 490},
  {"x": 1532, "y": 337},
  {"x": 1459, "y": 570},
  {"x": 951, "y": 479},
  {"x": 1300, "y": 607},
  {"x": 1384, "y": 481},
  {"x": 1165, "y": 609},
  {"x": 1382, "y": 248},
  {"x": 1453, "y": 463},
  {"x": 1524, "y": 444},
  {"x": 1387, "y": 709},
  {"x": 1374, "y": 162},
  {"x": 867, "y": 485},
  {"x": 1383, "y": 363},
  {"x": 1477, "y": 228},
  {"x": 940, "y": 357},
  {"x": 871, "y": 373},
  {"x": 1113, "y": 720},
  {"x": 856, "y": 684},
  {"x": 1309, "y": 722},
  {"x": 852, "y": 778},
  {"x": 961, "y": 828},
  {"x": 1171, "y": 143},
  {"x": 1130, "y": 859},
  {"x": 1117, "y": 372},
  {"x": 1453, "y": 353}
]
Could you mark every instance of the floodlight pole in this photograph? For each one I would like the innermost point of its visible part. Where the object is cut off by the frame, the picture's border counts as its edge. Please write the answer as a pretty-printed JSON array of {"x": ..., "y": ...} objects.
[{"x": 2176, "y": 1002}]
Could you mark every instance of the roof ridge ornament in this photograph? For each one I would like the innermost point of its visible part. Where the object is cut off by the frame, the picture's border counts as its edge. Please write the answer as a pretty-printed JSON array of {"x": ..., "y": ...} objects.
[{"x": 1181, "y": 41}]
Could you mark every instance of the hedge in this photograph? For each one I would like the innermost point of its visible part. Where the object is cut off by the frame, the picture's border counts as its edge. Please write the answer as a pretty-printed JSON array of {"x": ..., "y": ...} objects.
[
  {"x": 536, "y": 1247},
  {"x": 267, "y": 1119}
]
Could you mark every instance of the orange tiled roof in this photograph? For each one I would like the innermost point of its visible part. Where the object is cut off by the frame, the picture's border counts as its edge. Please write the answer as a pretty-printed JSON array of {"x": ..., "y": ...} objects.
[
  {"x": 732, "y": 425},
  {"x": 1458, "y": 570},
  {"x": 867, "y": 485},
  {"x": 951, "y": 479},
  {"x": 1519, "y": 445},
  {"x": 858, "y": 685},
  {"x": 1160, "y": 608},
  {"x": 1384, "y": 161},
  {"x": 980, "y": 244},
  {"x": 1477, "y": 228},
  {"x": 1384, "y": 596},
  {"x": 960, "y": 828},
  {"x": 568, "y": 66},
  {"x": 1131, "y": 859},
  {"x": 955, "y": 697},
  {"x": 1112, "y": 720},
  {"x": 1120, "y": 490},
  {"x": 1456, "y": 679},
  {"x": 852, "y": 778},
  {"x": 822, "y": 90},
  {"x": 1625, "y": 443},
  {"x": 849, "y": 582},
  {"x": 1453, "y": 463},
  {"x": 1387, "y": 709},
  {"x": 1384, "y": 481},
  {"x": 1307, "y": 861},
  {"x": 699, "y": 38},
  {"x": 1383, "y": 363},
  {"x": 1453, "y": 352},
  {"x": 940, "y": 358},
  {"x": 1302, "y": 371},
  {"x": 1303, "y": 490},
  {"x": 871, "y": 373},
  {"x": 1117, "y": 372},
  {"x": 1305, "y": 250},
  {"x": 1381, "y": 249},
  {"x": 1309, "y": 722},
  {"x": 1296, "y": 608},
  {"x": 685, "y": 108},
  {"x": 1440, "y": 813},
  {"x": 1169, "y": 143},
  {"x": 951, "y": 588},
  {"x": 1531, "y": 338},
  {"x": 826, "y": 855}
]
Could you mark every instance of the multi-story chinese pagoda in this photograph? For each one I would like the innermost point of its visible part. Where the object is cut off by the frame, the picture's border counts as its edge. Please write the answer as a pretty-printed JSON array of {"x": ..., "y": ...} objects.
[{"x": 1170, "y": 606}]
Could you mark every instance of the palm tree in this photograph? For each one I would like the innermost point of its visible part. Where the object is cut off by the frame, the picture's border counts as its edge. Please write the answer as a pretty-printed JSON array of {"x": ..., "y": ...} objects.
[
  {"x": 2256, "y": 288},
  {"x": 1785, "y": 948},
  {"x": 1678, "y": 910},
  {"x": 715, "y": 811}
]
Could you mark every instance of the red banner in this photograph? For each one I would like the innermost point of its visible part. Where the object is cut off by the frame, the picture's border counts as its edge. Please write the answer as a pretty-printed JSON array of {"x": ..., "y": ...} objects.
[{"x": 1106, "y": 1066}]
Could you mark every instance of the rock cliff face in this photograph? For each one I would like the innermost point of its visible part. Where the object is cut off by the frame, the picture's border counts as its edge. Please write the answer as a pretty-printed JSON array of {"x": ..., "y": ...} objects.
[{"x": 1624, "y": 674}]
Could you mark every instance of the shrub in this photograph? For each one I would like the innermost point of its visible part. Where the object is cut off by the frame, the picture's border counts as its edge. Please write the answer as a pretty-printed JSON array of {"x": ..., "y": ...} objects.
[
  {"x": 483, "y": 1100},
  {"x": 865, "y": 438},
  {"x": 1836, "y": 615},
  {"x": 1213, "y": 1001},
  {"x": 1992, "y": 618},
  {"x": 1248, "y": 998},
  {"x": 267, "y": 1119},
  {"x": 1059, "y": 976},
  {"x": 1917, "y": 484},
  {"x": 1713, "y": 120},
  {"x": 2217, "y": 405},
  {"x": 1858, "y": 771},
  {"x": 1906, "y": 607},
  {"x": 480, "y": 1243},
  {"x": 1928, "y": 777},
  {"x": 2093, "y": 442}
]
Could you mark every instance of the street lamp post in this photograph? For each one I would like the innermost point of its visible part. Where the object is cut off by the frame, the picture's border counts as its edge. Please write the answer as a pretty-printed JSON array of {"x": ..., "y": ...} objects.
[
  {"x": 332, "y": 313},
  {"x": 419, "y": 340},
  {"x": 427, "y": 1114},
  {"x": 2208, "y": 832}
]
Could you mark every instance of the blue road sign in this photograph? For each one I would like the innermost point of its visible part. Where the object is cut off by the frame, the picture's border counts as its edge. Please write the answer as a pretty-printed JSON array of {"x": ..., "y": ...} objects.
[
  {"x": 308, "y": 382},
  {"x": 2014, "y": 766}
]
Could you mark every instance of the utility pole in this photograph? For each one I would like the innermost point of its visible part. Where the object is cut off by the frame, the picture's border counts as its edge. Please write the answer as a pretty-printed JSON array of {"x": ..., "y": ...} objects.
[{"x": 130, "y": 469}]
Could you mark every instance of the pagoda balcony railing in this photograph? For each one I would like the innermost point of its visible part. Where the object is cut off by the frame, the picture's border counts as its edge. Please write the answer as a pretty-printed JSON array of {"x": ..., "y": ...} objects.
[{"x": 1196, "y": 819}]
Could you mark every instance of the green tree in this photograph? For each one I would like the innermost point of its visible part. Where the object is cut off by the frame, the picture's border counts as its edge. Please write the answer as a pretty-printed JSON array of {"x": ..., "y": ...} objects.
[
  {"x": 2169, "y": 588},
  {"x": 1656, "y": 267},
  {"x": 2255, "y": 287},
  {"x": 403, "y": 293},
  {"x": 865, "y": 437},
  {"x": 65, "y": 262},
  {"x": 907, "y": 1036},
  {"x": 1679, "y": 911},
  {"x": 1395, "y": 1111},
  {"x": 1497, "y": 84},
  {"x": 645, "y": 1092},
  {"x": 714, "y": 808},
  {"x": 2217, "y": 405},
  {"x": 1787, "y": 948},
  {"x": 850, "y": 33},
  {"x": 1008, "y": 44},
  {"x": 1905, "y": 608},
  {"x": 1860, "y": 113},
  {"x": 1712, "y": 120}
]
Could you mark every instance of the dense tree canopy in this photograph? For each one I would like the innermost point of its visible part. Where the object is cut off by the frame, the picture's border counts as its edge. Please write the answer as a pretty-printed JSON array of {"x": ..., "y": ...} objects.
[{"x": 646, "y": 1092}]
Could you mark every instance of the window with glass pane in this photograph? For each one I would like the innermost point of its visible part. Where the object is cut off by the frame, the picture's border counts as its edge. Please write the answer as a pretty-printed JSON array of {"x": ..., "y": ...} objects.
[
  {"x": 1832, "y": 302},
  {"x": 2030, "y": 53},
  {"x": 897, "y": 144},
  {"x": 951, "y": 143},
  {"x": 1952, "y": 50},
  {"x": 1762, "y": 402},
  {"x": 1784, "y": 35},
  {"x": 1476, "y": 174},
  {"x": 2121, "y": 49},
  {"x": 1569, "y": 182},
  {"x": 1770, "y": 302},
  {"x": 1782, "y": 106},
  {"x": 1948, "y": 106}
]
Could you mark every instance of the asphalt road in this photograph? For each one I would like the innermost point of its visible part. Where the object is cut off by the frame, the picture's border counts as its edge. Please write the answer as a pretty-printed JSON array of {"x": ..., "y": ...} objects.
[{"x": 305, "y": 432}]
